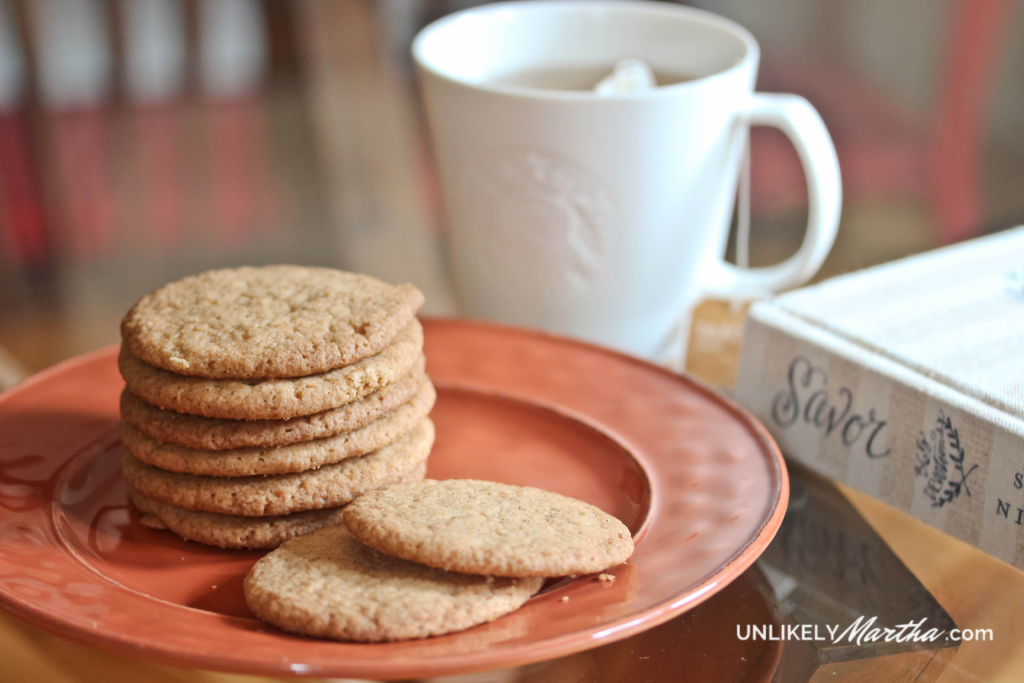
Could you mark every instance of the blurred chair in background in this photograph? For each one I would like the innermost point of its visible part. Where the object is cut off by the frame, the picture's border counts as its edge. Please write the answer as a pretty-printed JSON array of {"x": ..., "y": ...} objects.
[
  {"x": 134, "y": 124},
  {"x": 142, "y": 140},
  {"x": 889, "y": 149}
]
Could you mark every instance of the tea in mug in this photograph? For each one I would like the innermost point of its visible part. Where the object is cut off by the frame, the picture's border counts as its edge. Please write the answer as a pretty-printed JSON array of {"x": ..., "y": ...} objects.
[{"x": 574, "y": 78}]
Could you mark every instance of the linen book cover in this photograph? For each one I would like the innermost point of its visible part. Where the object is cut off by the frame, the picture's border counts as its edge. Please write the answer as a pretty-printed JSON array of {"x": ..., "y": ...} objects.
[{"x": 906, "y": 381}]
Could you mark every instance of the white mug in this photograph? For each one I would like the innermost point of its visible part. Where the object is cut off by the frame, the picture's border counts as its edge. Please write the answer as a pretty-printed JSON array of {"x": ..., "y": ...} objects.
[{"x": 606, "y": 217}]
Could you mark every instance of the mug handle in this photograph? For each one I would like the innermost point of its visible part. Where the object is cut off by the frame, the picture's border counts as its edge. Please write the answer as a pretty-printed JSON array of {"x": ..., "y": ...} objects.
[{"x": 802, "y": 124}]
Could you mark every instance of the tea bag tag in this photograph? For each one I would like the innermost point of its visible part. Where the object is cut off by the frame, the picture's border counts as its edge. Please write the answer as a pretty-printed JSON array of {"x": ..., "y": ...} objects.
[{"x": 628, "y": 76}]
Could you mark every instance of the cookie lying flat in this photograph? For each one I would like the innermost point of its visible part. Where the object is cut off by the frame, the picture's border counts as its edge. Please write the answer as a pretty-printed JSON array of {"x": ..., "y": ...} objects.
[
  {"x": 280, "y": 494},
  {"x": 231, "y": 531},
  {"x": 218, "y": 434},
  {"x": 485, "y": 527},
  {"x": 273, "y": 399},
  {"x": 271, "y": 321},
  {"x": 328, "y": 584},
  {"x": 296, "y": 457}
]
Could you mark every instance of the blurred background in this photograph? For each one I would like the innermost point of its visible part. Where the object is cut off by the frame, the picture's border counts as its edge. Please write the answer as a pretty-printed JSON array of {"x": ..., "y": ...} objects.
[{"x": 144, "y": 140}]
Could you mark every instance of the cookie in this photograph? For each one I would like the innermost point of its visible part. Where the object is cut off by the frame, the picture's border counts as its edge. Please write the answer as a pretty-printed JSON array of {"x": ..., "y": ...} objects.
[
  {"x": 273, "y": 399},
  {"x": 486, "y": 527},
  {"x": 218, "y": 434},
  {"x": 231, "y": 531},
  {"x": 280, "y": 494},
  {"x": 296, "y": 457},
  {"x": 235, "y": 531},
  {"x": 267, "y": 322},
  {"x": 328, "y": 584}
]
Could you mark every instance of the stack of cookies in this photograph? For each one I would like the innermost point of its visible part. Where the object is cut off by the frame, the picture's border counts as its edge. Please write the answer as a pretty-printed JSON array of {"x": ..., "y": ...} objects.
[{"x": 260, "y": 401}]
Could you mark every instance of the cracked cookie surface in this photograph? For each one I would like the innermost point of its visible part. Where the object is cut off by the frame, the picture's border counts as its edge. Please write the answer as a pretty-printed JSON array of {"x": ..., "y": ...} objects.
[
  {"x": 218, "y": 434},
  {"x": 328, "y": 584},
  {"x": 267, "y": 322},
  {"x": 487, "y": 527},
  {"x": 279, "y": 494},
  {"x": 294, "y": 457},
  {"x": 231, "y": 531},
  {"x": 273, "y": 399}
]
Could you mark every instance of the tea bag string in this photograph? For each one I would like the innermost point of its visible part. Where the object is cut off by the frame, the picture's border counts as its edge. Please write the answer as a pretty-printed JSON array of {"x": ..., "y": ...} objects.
[
  {"x": 743, "y": 217},
  {"x": 633, "y": 75}
]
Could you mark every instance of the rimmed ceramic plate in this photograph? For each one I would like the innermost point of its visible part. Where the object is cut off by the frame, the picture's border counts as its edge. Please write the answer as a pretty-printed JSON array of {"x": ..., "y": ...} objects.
[{"x": 698, "y": 481}]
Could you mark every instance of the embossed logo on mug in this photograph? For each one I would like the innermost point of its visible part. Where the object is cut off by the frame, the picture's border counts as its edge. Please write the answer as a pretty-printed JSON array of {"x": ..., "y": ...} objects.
[{"x": 551, "y": 215}]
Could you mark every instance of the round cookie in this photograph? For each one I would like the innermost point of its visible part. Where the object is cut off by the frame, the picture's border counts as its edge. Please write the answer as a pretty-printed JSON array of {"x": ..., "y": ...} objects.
[
  {"x": 269, "y": 321},
  {"x": 328, "y": 584},
  {"x": 218, "y": 434},
  {"x": 235, "y": 531},
  {"x": 296, "y": 457},
  {"x": 280, "y": 494},
  {"x": 231, "y": 531},
  {"x": 273, "y": 399},
  {"x": 486, "y": 527}
]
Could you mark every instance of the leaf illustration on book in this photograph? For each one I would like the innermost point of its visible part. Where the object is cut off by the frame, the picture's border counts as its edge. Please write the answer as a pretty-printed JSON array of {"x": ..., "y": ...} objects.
[
  {"x": 941, "y": 461},
  {"x": 923, "y": 457}
]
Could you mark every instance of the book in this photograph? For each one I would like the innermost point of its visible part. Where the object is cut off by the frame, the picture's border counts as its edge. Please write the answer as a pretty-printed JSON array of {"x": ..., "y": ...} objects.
[{"x": 906, "y": 381}]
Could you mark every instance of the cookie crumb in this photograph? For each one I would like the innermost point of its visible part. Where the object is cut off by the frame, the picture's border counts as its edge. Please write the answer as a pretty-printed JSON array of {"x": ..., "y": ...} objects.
[
  {"x": 606, "y": 579},
  {"x": 564, "y": 598}
]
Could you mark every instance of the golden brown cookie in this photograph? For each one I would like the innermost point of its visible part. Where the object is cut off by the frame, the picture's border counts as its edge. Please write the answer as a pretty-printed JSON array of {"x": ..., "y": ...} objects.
[
  {"x": 486, "y": 527},
  {"x": 218, "y": 434},
  {"x": 280, "y": 494},
  {"x": 267, "y": 322},
  {"x": 295, "y": 457},
  {"x": 273, "y": 399},
  {"x": 231, "y": 531},
  {"x": 328, "y": 584}
]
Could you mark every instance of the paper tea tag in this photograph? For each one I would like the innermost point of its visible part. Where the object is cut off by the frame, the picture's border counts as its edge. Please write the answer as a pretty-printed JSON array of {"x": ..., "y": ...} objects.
[{"x": 716, "y": 334}]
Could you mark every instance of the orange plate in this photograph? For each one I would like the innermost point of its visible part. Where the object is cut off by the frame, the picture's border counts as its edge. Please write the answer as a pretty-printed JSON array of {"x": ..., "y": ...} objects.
[{"x": 699, "y": 482}]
